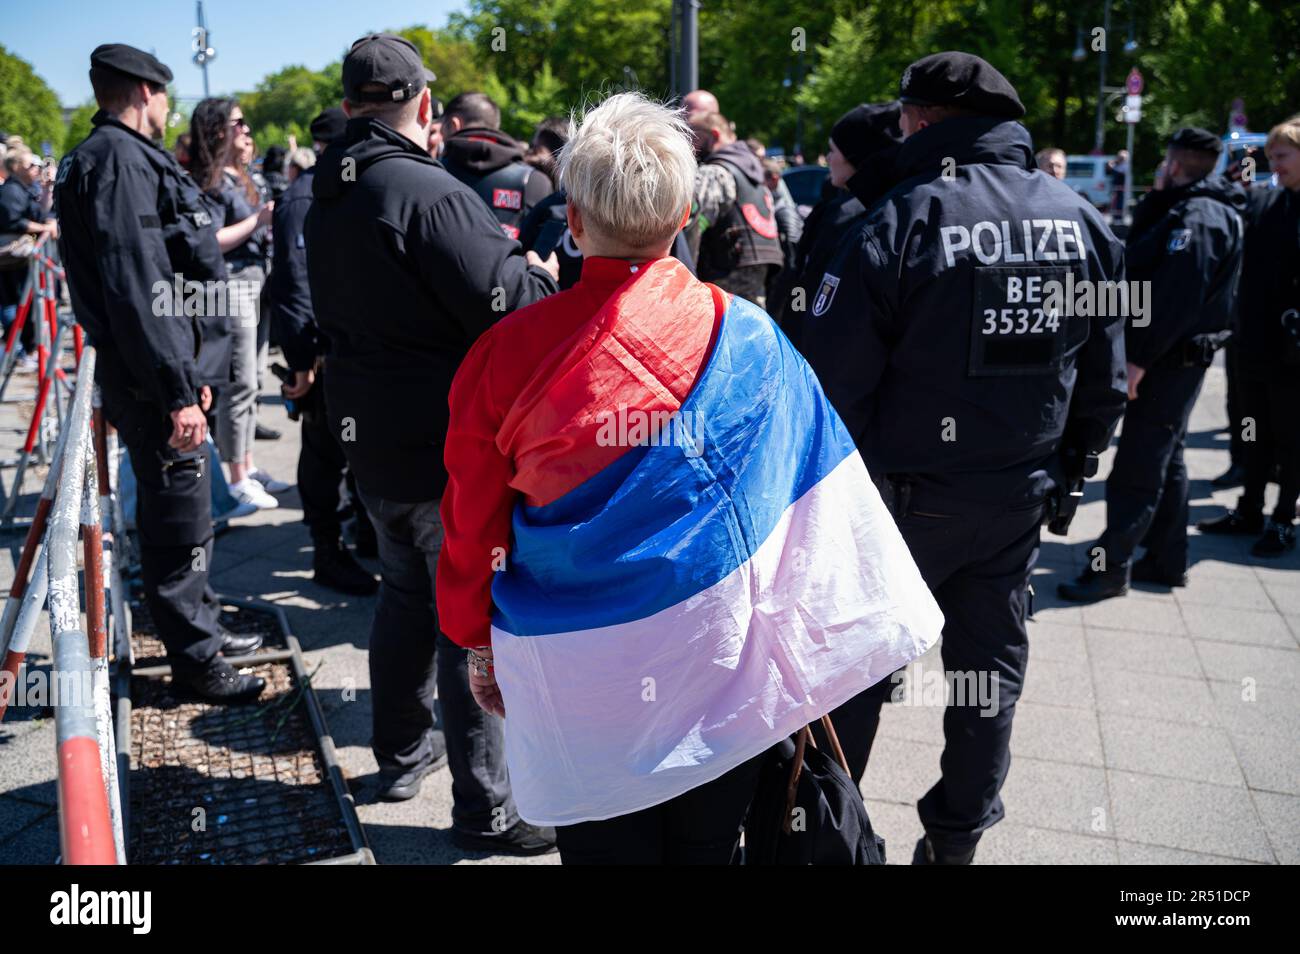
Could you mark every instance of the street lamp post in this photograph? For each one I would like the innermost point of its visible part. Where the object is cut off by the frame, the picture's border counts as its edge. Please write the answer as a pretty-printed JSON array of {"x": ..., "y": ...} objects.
[{"x": 202, "y": 51}]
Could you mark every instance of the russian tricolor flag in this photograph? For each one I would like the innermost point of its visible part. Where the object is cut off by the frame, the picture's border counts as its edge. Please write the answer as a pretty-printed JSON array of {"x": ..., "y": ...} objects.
[{"x": 730, "y": 579}]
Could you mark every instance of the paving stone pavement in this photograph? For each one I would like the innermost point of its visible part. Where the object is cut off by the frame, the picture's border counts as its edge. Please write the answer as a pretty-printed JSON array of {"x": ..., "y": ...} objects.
[{"x": 1158, "y": 728}]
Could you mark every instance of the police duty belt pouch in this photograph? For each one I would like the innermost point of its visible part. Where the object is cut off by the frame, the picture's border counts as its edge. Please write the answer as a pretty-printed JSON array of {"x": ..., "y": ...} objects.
[
  {"x": 806, "y": 809},
  {"x": 1022, "y": 321},
  {"x": 16, "y": 250}
]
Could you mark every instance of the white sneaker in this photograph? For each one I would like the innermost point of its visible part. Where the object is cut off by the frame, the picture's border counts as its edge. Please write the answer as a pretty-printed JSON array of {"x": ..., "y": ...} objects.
[
  {"x": 269, "y": 483},
  {"x": 250, "y": 491}
]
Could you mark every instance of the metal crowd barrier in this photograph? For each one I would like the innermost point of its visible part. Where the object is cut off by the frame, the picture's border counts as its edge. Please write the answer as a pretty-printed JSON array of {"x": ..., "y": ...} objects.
[{"x": 68, "y": 511}]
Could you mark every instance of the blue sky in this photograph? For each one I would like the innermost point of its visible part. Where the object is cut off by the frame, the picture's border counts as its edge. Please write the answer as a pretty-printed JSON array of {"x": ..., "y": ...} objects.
[{"x": 251, "y": 37}]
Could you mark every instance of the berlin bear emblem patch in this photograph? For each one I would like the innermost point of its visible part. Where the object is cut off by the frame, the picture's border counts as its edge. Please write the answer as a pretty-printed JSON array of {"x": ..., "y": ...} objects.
[
  {"x": 825, "y": 294},
  {"x": 1178, "y": 239}
]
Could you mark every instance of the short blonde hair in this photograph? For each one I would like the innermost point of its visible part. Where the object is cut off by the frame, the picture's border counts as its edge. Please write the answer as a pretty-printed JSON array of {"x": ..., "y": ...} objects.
[
  {"x": 629, "y": 168},
  {"x": 1287, "y": 131}
]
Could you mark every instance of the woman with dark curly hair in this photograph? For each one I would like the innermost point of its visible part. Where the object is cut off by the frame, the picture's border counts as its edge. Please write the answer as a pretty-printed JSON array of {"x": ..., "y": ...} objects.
[{"x": 219, "y": 146}]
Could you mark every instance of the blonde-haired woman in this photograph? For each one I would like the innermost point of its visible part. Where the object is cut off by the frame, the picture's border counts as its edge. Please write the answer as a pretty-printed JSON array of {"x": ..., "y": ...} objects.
[{"x": 661, "y": 546}]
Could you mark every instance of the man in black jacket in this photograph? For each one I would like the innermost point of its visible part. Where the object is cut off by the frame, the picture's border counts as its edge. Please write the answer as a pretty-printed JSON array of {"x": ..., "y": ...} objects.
[
  {"x": 1268, "y": 354},
  {"x": 479, "y": 154},
  {"x": 134, "y": 224},
  {"x": 407, "y": 268},
  {"x": 936, "y": 339},
  {"x": 1186, "y": 241},
  {"x": 322, "y": 466}
]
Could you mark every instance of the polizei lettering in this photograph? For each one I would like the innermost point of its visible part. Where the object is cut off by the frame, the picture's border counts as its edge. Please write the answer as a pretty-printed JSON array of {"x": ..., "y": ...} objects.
[{"x": 1014, "y": 243}]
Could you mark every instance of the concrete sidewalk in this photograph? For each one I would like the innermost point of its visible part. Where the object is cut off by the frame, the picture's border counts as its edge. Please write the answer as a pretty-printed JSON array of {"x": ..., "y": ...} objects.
[{"x": 1160, "y": 727}]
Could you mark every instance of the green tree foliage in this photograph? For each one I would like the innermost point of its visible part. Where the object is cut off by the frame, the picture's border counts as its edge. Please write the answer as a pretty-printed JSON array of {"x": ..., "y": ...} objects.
[
  {"x": 785, "y": 70},
  {"x": 28, "y": 107}
]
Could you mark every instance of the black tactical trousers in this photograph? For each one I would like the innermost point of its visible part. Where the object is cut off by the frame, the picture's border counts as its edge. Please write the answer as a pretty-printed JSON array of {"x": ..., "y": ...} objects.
[
  {"x": 407, "y": 655},
  {"x": 976, "y": 559},
  {"x": 1272, "y": 401},
  {"x": 321, "y": 467},
  {"x": 1146, "y": 492},
  {"x": 174, "y": 520}
]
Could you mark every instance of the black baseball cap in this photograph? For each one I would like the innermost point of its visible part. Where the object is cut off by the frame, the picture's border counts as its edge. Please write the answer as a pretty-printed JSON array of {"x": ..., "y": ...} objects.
[
  {"x": 960, "y": 79},
  {"x": 131, "y": 62},
  {"x": 1197, "y": 140},
  {"x": 390, "y": 61}
]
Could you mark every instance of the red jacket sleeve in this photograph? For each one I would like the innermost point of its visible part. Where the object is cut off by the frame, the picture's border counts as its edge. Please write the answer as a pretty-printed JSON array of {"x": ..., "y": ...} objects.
[{"x": 477, "y": 504}]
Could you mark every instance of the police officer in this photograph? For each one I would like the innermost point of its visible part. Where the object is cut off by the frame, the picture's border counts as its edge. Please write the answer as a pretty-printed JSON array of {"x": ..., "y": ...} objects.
[
  {"x": 964, "y": 384},
  {"x": 864, "y": 143},
  {"x": 133, "y": 221},
  {"x": 479, "y": 154},
  {"x": 1186, "y": 240},
  {"x": 322, "y": 466},
  {"x": 735, "y": 239}
]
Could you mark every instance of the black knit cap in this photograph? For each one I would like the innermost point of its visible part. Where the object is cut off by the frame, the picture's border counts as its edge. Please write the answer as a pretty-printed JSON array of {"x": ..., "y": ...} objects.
[
  {"x": 866, "y": 129},
  {"x": 390, "y": 61},
  {"x": 1197, "y": 140},
  {"x": 960, "y": 79},
  {"x": 131, "y": 62},
  {"x": 329, "y": 126}
]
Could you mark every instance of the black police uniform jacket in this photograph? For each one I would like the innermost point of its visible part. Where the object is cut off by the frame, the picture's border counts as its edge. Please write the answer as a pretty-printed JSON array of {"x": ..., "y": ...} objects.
[
  {"x": 407, "y": 267},
  {"x": 131, "y": 221},
  {"x": 833, "y": 218},
  {"x": 293, "y": 323},
  {"x": 1270, "y": 286},
  {"x": 929, "y": 331},
  {"x": 1187, "y": 242}
]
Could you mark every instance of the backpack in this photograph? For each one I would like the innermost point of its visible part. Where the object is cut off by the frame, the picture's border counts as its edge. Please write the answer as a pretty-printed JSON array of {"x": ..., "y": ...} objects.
[{"x": 807, "y": 810}]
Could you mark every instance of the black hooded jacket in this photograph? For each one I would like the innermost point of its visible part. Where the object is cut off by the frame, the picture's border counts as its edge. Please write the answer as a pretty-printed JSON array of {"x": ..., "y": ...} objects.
[
  {"x": 830, "y": 222},
  {"x": 489, "y": 161},
  {"x": 406, "y": 268},
  {"x": 1187, "y": 242},
  {"x": 929, "y": 334}
]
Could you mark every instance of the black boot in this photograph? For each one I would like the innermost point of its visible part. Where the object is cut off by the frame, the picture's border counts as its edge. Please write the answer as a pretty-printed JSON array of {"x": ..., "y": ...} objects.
[
  {"x": 1233, "y": 523},
  {"x": 1092, "y": 586},
  {"x": 929, "y": 853},
  {"x": 239, "y": 644},
  {"x": 222, "y": 682},
  {"x": 1278, "y": 539},
  {"x": 334, "y": 567}
]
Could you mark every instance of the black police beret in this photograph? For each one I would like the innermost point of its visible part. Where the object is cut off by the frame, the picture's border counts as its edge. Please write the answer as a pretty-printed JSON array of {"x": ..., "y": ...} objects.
[
  {"x": 960, "y": 79},
  {"x": 390, "y": 61},
  {"x": 131, "y": 62},
  {"x": 866, "y": 129},
  {"x": 1196, "y": 139},
  {"x": 329, "y": 126}
]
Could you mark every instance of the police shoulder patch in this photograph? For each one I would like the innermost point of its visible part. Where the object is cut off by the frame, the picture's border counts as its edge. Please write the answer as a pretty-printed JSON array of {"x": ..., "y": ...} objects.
[
  {"x": 1178, "y": 239},
  {"x": 825, "y": 294}
]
